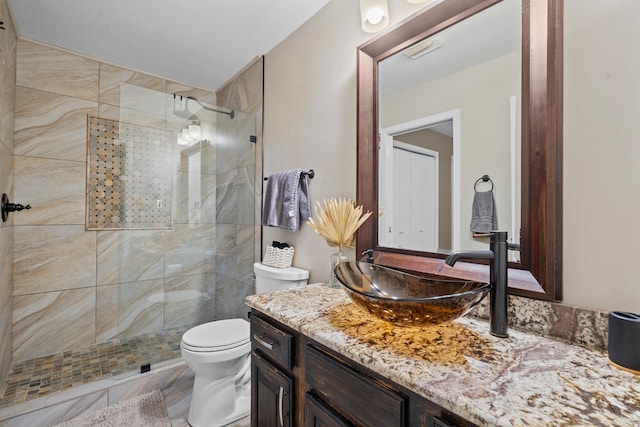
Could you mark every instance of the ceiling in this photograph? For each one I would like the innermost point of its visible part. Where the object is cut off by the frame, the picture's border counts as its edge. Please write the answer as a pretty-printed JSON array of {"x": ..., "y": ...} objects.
[
  {"x": 199, "y": 42},
  {"x": 487, "y": 35}
]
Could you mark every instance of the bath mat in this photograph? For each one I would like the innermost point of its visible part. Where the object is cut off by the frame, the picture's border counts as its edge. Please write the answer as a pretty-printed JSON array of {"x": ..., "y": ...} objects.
[{"x": 145, "y": 410}]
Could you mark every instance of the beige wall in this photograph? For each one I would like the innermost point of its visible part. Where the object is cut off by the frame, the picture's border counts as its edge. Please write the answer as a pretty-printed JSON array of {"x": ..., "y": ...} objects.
[
  {"x": 601, "y": 154},
  {"x": 310, "y": 115},
  {"x": 7, "y": 95}
]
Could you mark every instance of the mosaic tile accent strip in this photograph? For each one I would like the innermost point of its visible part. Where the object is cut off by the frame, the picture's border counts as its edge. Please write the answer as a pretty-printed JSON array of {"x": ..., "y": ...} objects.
[
  {"x": 41, "y": 376},
  {"x": 128, "y": 176}
]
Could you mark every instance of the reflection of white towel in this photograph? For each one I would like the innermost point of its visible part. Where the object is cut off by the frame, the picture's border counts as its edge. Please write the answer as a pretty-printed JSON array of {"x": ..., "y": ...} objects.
[
  {"x": 286, "y": 201},
  {"x": 483, "y": 212}
]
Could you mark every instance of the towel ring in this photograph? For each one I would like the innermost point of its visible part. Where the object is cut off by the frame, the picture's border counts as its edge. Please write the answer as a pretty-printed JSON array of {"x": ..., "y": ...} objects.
[{"x": 484, "y": 178}]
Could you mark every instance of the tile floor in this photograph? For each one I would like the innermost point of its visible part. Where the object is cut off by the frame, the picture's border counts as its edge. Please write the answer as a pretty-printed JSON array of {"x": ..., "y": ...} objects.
[{"x": 38, "y": 377}]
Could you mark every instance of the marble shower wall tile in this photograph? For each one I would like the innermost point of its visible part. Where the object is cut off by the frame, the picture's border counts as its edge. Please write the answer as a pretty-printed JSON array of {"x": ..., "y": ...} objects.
[
  {"x": 55, "y": 189},
  {"x": 127, "y": 115},
  {"x": 112, "y": 77},
  {"x": 228, "y": 210},
  {"x": 5, "y": 343},
  {"x": 7, "y": 96},
  {"x": 230, "y": 295},
  {"x": 6, "y": 265},
  {"x": 189, "y": 300},
  {"x": 190, "y": 250},
  {"x": 106, "y": 313},
  {"x": 181, "y": 89},
  {"x": 140, "y": 307},
  {"x": 53, "y": 70},
  {"x": 235, "y": 252},
  {"x": 6, "y": 178},
  {"x": 51, "y": 125},
  {"x": 245, "y": 193},
  {"x": 130, "y": 255},
  {"x": 7, "y": 99},
  {"x": 235, "y": 196},
  {"x": 244, "y": 93},
  {"x": 7, "y": 37},
  {"x": 52, "y": 258},
  {"x": 52, "y": 322}
]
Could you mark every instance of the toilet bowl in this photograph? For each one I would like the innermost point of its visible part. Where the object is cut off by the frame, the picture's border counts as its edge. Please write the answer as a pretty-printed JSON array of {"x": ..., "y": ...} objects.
[{"x": 219, "y": 354}]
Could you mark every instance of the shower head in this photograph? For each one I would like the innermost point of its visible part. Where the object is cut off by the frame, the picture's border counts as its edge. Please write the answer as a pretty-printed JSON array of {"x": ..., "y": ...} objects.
[
  {"x": 183, "y": 113},
  {"x": 186, "y": 114}
]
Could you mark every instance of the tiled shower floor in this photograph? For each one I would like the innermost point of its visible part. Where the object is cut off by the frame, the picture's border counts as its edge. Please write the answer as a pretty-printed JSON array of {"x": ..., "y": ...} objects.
[{"x": 39, "y": 377}]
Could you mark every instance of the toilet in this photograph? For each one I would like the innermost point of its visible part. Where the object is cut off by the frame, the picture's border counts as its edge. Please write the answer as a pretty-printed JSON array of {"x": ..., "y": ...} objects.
[{"x": 219, "y": 354}]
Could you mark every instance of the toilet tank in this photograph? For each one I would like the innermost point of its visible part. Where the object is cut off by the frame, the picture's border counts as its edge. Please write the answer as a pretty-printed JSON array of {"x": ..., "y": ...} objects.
[{"x": 271, "y": 278}]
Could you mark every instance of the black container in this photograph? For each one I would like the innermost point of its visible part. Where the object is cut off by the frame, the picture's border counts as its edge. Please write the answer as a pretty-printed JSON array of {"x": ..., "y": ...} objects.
[{"x": 624, "y": 340}]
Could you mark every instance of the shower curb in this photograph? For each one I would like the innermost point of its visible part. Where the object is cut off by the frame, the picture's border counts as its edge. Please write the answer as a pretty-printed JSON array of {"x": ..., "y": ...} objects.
[{"x": 174, "y": 380}]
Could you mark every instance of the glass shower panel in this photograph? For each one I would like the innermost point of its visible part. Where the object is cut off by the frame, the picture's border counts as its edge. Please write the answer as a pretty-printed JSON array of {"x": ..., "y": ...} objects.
[{"x": 188, "y": 257}]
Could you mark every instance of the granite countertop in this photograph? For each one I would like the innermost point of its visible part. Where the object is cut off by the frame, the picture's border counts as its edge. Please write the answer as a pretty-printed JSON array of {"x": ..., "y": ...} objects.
[{"x": 523, "y": 380}]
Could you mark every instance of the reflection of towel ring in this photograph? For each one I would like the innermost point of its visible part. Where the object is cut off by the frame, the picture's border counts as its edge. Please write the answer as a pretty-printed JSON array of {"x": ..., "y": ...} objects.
[{"x": 484, "y": 178}]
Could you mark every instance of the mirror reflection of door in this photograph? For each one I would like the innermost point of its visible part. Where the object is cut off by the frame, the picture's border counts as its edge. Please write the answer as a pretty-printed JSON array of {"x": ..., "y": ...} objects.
[
  {"x": 422, "y": 188},
  {"x": 415, "y": 197}
]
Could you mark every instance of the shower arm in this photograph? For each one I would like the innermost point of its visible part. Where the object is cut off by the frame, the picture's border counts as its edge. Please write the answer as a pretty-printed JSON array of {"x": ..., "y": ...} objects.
[{"x": 230, "y": 113}]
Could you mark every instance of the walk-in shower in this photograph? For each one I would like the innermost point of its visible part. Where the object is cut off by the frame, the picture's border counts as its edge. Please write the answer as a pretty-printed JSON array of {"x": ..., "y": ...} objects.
[{"x": 168, "y": 236}]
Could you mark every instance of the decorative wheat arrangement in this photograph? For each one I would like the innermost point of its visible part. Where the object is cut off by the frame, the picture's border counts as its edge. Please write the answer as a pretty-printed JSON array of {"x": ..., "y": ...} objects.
[{"x": 338, "y": 221}]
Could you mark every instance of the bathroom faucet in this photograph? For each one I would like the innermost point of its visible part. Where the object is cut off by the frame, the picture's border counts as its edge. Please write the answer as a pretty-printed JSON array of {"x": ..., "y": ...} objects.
[{"x": 497, "y": 254}]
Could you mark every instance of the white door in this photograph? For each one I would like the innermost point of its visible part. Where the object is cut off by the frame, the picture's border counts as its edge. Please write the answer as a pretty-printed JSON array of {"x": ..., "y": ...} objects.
[{"x": 415, "y": 199}]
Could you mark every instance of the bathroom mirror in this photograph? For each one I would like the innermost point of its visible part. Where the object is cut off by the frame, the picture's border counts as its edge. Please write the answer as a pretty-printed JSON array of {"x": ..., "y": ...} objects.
[
  {"x": 448, "y": 115},
  {"x": 538, "y": 274}
]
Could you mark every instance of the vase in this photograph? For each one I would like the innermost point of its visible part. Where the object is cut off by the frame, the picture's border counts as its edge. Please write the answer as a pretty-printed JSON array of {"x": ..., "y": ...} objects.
[{"x": 334, "y": 260}]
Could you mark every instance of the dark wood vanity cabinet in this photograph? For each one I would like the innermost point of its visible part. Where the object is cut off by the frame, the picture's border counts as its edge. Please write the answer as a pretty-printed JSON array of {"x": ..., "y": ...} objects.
[
  {"x": 272, "y": 379},
  {"x": 299, "y": 382}
]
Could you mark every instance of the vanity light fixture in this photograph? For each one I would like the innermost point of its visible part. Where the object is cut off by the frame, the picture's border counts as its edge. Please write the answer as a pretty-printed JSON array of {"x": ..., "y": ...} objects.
[
  {"x": 374, "y": 15},
  {"x": 422, "y": 48},
  {"x": 190, "y": 133}
]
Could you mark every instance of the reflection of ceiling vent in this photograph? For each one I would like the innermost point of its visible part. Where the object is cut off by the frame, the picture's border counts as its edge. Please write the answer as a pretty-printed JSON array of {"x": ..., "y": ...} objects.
[{"x": 422, "y": 48}]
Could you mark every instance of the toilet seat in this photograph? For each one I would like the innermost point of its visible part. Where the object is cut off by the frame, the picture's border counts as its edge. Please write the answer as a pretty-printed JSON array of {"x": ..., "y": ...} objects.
[{"x": 216, "y": 336}]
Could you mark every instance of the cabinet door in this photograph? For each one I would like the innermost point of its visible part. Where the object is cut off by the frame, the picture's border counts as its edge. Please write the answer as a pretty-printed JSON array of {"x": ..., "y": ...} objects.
[
  {"x": 318, "y": 415},
  {"x": 271, "y": 395}
]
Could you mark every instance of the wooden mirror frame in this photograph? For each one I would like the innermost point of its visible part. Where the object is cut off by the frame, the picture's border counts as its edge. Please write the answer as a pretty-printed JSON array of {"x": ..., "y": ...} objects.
[{"x": 539, "y": 274}]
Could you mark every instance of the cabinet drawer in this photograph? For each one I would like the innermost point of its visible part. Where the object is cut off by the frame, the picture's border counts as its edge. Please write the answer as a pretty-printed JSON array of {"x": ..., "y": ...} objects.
[
  {"x": 352, "y": 394},
  {"x": 273, "y": 342},
  {"x": 318, "y": 415}
]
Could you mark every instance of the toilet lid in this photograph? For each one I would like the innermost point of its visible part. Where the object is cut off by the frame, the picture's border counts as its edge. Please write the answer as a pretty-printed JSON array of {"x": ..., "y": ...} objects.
[{"x": 217, "y": 336}]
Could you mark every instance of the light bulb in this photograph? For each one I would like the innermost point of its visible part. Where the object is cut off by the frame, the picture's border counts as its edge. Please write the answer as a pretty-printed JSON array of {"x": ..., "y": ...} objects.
[
  {"x": 195, "y": 132},
  {"x": 184, "y": 134},
  {"x": 375, "y": 15}
]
